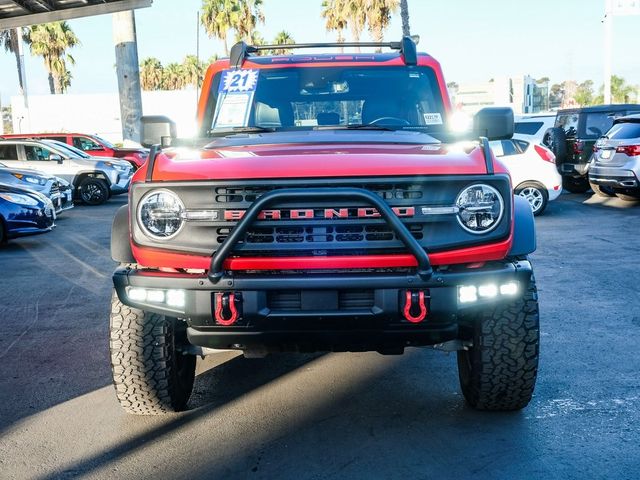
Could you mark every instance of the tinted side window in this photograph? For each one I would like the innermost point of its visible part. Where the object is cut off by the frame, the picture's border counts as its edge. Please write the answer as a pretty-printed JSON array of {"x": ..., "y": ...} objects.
[
  {"x": 504, "y": 148},
  {"x": 621, "y": 131},
  {"x": 8, "y": 152},
  {"x": 84, "y": 143},
  {"x": 528, "y": 128},
  {"x": 36, "y": 154},
  {"x": 522, "y": 145},
  {"x": 569, "y": 123},
  {"x": 597, "y": 124}
]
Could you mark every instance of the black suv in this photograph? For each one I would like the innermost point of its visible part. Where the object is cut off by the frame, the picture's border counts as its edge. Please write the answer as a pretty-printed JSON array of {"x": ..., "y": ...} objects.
[{"x": 574, "y": 135}]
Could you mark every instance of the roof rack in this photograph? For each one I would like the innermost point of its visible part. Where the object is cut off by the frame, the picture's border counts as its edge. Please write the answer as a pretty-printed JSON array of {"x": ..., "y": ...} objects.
[{"x": 407, "y": 47}]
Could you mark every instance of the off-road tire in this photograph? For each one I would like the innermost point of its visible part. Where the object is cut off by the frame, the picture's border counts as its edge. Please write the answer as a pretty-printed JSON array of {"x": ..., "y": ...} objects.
[
  {"x": 499, "y": 371},
  {"x": 599, "y": 190},
  {"x": 151, "y": 376},
  {"x": 538, "y": 192},
  {"x": 556, "y": 140},
  {"x": 93, "y": 191},
  {"x": 575, "y": 184}
]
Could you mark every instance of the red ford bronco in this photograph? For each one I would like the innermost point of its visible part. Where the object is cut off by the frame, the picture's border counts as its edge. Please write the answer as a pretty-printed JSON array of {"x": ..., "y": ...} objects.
[{"x": 325, "y": 207}]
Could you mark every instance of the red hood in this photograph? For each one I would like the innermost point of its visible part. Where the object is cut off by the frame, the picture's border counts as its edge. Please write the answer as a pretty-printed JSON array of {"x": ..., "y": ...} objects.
[{"x": 318, "y": 160}]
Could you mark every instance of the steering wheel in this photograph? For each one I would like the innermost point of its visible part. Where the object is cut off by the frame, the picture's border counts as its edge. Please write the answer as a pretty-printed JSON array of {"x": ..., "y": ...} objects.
[{"x": 395, "y": 121}]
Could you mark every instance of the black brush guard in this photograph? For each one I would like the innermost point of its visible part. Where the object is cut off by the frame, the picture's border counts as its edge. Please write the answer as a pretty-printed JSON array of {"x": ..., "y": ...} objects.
[{"x": 216, "y": 272}]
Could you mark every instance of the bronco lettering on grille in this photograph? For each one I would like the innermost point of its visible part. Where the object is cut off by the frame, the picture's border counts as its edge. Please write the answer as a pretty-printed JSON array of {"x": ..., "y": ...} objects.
[{"x": 326, "y": 213}]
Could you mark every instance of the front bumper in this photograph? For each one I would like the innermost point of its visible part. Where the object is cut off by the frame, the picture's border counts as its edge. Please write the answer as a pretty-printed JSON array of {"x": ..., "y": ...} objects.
[
  {"x": 122, "y": 186},
  {"x": 323, "y": 311}
]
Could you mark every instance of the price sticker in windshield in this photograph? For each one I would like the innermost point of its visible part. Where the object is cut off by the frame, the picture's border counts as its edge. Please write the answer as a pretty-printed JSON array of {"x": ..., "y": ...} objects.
[{"x": 239, "y": 81}]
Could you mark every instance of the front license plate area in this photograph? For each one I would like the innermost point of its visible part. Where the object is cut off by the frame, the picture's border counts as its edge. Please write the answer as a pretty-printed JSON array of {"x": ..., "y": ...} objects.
[{"x": 319, "y": 300}]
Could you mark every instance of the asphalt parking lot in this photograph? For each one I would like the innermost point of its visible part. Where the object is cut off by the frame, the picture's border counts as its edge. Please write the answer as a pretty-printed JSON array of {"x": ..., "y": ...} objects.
[{"x": 324, "y": 416}]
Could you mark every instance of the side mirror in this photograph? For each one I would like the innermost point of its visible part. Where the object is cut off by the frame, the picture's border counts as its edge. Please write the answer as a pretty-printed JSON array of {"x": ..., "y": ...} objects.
[
  {"x": 495, "y": 123},
  {"x": 55, "y": 158},
  {"x": 157, "y": 129}
]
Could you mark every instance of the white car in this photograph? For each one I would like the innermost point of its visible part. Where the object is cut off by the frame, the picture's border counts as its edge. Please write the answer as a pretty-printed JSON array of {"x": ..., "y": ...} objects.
[
  {"x": 533, "y": 171},
  {"x": 532, "y": 128}
]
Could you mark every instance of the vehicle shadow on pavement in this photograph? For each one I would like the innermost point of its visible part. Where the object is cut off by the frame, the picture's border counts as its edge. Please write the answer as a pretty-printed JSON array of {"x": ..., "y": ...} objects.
[{"x": 288, "y": 416}]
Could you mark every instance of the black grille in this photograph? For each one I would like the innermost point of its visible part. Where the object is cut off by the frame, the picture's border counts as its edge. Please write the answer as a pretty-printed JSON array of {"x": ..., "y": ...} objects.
[{"x": 291, "y": 301}]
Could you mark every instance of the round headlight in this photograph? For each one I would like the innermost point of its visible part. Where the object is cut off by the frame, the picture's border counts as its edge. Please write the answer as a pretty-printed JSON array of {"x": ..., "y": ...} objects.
[
  {"x": 160, "y": 214},
  {"x": 480, "y": 208}
]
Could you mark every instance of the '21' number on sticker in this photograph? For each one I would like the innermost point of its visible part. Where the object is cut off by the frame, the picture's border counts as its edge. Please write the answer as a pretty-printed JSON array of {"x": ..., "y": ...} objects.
[{"x": 240, "y": 81}]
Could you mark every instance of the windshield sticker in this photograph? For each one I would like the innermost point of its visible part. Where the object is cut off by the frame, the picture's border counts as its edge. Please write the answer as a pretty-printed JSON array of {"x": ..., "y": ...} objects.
[
  {"x": 233, "y": 110},
  {"x": 239, "y": 81},
  {"x": 235, "y": 98},
  {"x": 432, "y": 119}
]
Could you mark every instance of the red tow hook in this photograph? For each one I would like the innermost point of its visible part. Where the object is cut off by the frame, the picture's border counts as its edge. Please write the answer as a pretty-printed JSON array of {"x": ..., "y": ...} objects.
[
  {"x": 410, "y": 299},
  {"x": 226, "y": 307}
]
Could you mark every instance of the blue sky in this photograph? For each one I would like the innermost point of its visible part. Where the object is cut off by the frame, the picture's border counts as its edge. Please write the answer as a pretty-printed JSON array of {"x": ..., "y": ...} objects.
[{"x": 474, "y": 40}]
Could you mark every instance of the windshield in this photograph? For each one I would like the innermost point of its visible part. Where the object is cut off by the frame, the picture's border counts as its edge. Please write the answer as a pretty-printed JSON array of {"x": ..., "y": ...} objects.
[
  {"x": 68, "y": 149},
  {"x": 104, "y": 142},
  {"x": 404, "y": 97}
]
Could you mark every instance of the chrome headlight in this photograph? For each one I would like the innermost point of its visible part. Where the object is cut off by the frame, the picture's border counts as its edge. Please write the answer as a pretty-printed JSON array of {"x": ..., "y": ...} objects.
[
  {"x": 160, "y": 214},
  {"x": 480, "y": 208}
]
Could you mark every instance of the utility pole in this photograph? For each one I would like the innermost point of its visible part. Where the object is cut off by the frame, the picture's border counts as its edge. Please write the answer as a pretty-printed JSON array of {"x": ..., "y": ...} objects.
[
  {"x": 608, "y": 30},
  {"x": 128, "y": 71}
]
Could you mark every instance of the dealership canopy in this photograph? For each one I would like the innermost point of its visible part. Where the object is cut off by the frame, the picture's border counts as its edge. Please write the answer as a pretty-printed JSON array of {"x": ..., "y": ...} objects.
[{"x": 20, "y": 13}]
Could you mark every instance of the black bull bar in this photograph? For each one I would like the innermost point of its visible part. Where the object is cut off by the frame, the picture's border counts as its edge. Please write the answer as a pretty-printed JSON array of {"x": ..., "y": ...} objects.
[{"x": 216, "y": 271}]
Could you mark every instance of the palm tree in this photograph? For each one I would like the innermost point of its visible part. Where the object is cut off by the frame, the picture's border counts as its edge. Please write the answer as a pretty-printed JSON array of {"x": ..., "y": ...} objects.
[
  {"x": 248, "y": 17},
  {"x": 192, "y": 71},
  {"x": 151, "y": 74},
  {"x": 404, "y": 14},
  {"x": 379, "y": 16},
  {"x": 218, "y": 17},
  {"x": 172, "y": 77},
  {"x": 51, "y": 42},
  {"x": 282, "y": 38},
  {"x": 355, "y": 13},
  {"x": 333, "y": 13},
  {"x": 9, "y": 39}
]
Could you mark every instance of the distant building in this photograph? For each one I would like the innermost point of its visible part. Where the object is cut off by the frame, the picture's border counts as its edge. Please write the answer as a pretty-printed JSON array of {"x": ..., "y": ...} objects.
[{"x": 523, "y": 94}]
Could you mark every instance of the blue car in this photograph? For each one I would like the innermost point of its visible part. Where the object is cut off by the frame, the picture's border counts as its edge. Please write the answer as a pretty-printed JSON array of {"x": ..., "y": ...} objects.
[
  {"x": 58, "y": 190},
  {"x": 24, "y": 212}
]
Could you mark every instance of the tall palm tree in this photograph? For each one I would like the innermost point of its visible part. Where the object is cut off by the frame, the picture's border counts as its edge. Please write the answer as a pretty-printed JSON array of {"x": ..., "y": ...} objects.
[
  {"x": 404, "y": 14},
  {"x": 378, "y": 14},
  {"x": 282, "y": 38},
  {"x": 173, "y": 77},
  {"x": 335, "y": 21},
  {"x": 249, "y": 16},
  {"x": 151, "y": 74},
  {"x": 9, "y": 39},
  {"x": 51, "y": 42},
  {"x": 192, "y": 71},
  {"x": 355, "y": 12},
  {"x": 218, "y": 17}
]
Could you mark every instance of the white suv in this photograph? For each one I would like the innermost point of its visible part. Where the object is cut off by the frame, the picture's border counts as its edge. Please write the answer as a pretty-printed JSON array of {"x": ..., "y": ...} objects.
[
  {"x": 533, "y": 127},
  {"x": 95, "y": 178}
]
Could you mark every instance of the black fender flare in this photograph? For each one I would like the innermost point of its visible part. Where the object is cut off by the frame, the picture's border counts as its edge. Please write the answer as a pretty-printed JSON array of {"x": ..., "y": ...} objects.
[
  {"x": 524, "y": 228},
  {"x": 120, "y": 238}
]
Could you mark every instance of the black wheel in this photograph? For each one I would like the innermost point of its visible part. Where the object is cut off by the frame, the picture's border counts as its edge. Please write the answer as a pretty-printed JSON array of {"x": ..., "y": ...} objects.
[
  {"x": 602, "y": 191},
  {"x": 150, "y": 374},
  {"x": 93, "y": 191},
  {"x": 556, "y": 140},
  {"x": 499, "y": 371},
  {"x": 575, "y": 184},
  {"x": 627, "y": 196},
  {"x": 536, "y": 195}
]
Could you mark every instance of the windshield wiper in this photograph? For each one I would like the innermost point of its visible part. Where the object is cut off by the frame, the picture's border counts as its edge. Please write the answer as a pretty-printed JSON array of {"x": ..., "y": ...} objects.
[
  {"x": 243, "y": 130},
  {"x": 369, "y": 126}
]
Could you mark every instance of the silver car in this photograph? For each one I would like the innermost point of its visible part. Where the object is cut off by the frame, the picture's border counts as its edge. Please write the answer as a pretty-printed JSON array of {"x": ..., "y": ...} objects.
[
  {"x": 58, "y": 190},
  {"x": 615, "y": 165}
]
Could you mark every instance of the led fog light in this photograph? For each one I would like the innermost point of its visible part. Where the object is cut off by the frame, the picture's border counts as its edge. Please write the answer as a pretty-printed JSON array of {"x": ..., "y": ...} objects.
[
  {"x": 488, "y": 291},
  {"x": 467, "y": 294},
  {"x": 175, "y": 298},
  {"x": 510, "y": 288}
]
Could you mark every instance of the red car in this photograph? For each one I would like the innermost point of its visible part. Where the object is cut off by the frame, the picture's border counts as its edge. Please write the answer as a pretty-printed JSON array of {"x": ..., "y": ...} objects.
[
  {"x": 326, "y": 208},
  {"x": 92, "y": 144}
]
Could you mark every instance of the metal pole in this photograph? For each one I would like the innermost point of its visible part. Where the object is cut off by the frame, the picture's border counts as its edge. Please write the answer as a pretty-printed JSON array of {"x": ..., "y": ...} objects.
[
  {"x": 198, "y": 55},
  {"x": 608, "y": 24},
  {"x": 128, "y": 71}
]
